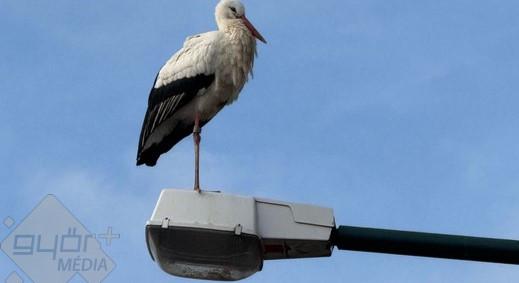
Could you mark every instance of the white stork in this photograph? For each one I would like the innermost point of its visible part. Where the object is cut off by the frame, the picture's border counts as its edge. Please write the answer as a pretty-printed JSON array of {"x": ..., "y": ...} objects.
[{"x": 197, "y": 82}]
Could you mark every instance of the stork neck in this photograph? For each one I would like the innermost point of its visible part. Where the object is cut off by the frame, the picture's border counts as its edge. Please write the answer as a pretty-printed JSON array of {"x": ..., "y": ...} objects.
[
  {"x": 231, "y": 26},
  {"x": 240, "y": 48},
  {"x": 237, "y": 32},
  {"x": 224, "y": 24}
]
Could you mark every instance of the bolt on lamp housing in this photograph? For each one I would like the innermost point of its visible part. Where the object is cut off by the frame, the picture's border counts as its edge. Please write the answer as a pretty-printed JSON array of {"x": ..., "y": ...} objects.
[{"x": 225, "y": 237}]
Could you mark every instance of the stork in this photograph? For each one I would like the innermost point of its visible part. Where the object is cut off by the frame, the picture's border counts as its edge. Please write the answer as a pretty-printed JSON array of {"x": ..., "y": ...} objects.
[{"x": 205, "y": 75}]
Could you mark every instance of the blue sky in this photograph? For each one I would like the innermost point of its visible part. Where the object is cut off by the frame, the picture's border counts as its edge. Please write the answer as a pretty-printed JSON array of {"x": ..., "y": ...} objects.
[{"x": 398, "y": 114}]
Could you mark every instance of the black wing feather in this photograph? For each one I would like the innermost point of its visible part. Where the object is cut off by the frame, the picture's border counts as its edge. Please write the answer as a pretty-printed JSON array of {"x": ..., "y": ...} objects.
[{"x": 163, "y": 102}]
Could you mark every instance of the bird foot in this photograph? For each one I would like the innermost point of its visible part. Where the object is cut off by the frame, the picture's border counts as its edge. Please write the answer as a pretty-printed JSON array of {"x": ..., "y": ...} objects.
[{"x": 198, "y": 190}]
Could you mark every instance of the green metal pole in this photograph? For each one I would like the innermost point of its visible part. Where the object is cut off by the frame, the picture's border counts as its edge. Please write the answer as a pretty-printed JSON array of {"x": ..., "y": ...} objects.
[{"x": 426, "y": 244}]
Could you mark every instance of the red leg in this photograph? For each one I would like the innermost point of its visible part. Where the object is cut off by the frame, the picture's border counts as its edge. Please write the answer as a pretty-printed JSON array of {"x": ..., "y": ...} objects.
[{"x": 197, "y": 138}]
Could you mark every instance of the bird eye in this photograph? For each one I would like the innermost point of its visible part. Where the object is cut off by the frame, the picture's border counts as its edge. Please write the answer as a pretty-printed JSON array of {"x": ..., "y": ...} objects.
[{"x": 233, "y": 9}]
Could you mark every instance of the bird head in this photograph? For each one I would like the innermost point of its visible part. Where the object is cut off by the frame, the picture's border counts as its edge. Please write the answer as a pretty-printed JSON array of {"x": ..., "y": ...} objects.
[{"x": 233, "y": 10}]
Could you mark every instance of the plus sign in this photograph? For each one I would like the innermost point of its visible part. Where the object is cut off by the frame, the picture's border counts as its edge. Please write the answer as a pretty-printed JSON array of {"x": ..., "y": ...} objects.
[{"x": 109, "y": 236}]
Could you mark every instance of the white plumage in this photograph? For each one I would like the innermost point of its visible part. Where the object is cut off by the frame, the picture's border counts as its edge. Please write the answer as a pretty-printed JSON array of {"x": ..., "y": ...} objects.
[
  {"x": 197, "y": 56},
  {"x": 206, "y": 74}
]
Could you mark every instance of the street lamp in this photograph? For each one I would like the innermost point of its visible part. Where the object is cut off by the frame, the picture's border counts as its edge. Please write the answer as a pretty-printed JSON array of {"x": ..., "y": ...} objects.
[{"x": 226, "y": 237}]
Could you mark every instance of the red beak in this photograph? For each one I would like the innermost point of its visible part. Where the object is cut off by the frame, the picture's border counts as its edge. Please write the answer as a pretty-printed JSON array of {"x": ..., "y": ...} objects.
[{"x": 253, "y": 30}]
